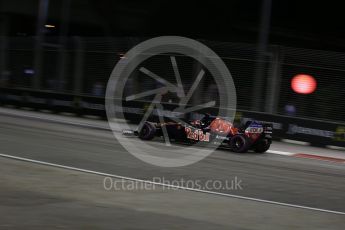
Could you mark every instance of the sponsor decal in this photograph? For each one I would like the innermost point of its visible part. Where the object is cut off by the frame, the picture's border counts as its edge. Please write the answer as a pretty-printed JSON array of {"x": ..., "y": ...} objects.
[
  {"x": 339, "y": 134},
  {"x": 36, "y": 100},
  {"x": 254, "y": 130},
  {"x": 295, "y": 129},
  {"x": 94, "y": 106},
  {"x": 56, "y": 102},
  {"x": 197, "y": 134},
  {"x": 222, "y": 137}
]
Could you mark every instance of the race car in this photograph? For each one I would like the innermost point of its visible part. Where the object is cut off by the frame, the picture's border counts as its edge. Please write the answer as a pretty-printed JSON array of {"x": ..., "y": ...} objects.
[{"x": 253, "y": 135}]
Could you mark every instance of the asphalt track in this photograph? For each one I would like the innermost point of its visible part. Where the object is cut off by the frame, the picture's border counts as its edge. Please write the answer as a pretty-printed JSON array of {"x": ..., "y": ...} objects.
[{"x": 296, "y": 181}]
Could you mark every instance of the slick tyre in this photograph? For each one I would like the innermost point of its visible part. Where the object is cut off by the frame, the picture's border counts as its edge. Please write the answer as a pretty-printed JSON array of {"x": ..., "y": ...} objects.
[
  {"x": 239, "y": 144},
  {"x": 148, "y": 131},
  {"x": 262, "y": 146}
]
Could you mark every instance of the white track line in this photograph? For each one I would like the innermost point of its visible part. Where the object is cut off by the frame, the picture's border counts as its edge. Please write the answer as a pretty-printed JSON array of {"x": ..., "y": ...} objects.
[
  {"x": 295, "y": 142},
  {"x": 281, "y": 152},
  {"x": 335, "y": 147},
  {"x": 168, "y": 185},
  {"x": 46, "y": 117}
]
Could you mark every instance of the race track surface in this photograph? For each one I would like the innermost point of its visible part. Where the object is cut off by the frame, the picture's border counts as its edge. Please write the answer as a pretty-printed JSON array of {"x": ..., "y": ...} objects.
[{"x": 304, "y": 182}]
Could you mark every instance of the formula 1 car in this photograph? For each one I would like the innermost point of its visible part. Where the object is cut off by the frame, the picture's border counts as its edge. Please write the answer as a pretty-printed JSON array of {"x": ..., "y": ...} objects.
[{"x": 253, "y": 135}]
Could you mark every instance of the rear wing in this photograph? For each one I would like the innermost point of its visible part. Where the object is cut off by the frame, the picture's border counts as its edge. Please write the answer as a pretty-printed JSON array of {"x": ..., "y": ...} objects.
[{"x": 268, "y": 127}]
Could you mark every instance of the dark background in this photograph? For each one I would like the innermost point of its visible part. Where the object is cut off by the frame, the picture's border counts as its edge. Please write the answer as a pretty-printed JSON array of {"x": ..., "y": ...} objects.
[
  {"x": 307, "y": 24},
  {"x": 264, "y": 44}
]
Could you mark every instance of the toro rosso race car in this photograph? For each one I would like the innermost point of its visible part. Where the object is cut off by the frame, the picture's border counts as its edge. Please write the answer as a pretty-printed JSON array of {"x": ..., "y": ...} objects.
[{"x": 253, "y": 135}]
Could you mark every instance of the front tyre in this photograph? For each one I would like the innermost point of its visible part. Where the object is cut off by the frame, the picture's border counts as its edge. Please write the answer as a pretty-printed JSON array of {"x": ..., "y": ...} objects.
[
  {"x": 148, "y": 131},
  {"x": 239, "y": 144},
  {"x": 262, "y": 146}
]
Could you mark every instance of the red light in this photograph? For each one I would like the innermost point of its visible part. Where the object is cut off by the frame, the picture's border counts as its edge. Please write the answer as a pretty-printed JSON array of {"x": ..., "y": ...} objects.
[{"x": 303, "y": 83}]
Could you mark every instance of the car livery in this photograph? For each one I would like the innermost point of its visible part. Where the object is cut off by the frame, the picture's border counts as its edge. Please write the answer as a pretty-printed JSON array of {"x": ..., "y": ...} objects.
[{"x": 253, "y": 135}]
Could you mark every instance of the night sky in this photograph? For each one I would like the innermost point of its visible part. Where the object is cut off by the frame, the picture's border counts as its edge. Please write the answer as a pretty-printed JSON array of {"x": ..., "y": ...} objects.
[{"x": 311, "y": 24}]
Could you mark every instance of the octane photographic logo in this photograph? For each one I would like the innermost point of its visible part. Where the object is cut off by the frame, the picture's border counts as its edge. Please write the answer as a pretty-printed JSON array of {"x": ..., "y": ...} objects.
[{"x": 158, "y": 153}]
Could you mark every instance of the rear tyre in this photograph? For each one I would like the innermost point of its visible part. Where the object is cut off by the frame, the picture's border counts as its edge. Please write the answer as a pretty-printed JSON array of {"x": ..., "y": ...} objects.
[
  {"x": 262, "y": 146},
  {"x": 148, "y": 131},
  {"x": 239, "y": 144}
]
